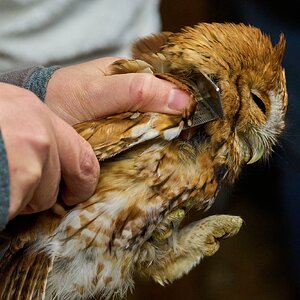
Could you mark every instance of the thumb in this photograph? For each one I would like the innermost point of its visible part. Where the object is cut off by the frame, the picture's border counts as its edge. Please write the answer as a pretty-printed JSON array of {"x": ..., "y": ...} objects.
[
  {"x": 139, "y": 92},
  {"x": 79, "y": 165}
]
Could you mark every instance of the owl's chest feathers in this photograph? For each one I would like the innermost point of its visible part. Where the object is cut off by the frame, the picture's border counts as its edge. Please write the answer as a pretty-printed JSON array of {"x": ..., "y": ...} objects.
[
  {"x": 136, "y": 193},
  {"x": 143, "y": 195}
]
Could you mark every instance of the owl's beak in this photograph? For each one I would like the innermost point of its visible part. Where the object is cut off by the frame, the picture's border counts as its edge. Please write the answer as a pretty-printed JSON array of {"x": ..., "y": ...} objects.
[{"x": 257, "y": 153}]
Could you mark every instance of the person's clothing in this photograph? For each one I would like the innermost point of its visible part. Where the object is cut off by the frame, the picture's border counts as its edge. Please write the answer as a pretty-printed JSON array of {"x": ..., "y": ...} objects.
[
  {"x": 43, "y": 32},
  {"x": 4, "y": 185},
  {"x": 34, "y": 79}
]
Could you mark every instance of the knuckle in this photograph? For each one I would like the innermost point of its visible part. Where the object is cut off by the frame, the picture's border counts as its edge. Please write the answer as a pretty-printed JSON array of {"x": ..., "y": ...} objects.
[
  {"x": 87, "y": 162},
  {"x": 44, "y": 198},
  {"x": 32, "y": 178},
  {"x": 28, "y": 178},
  {"x": 38, "y": 133},
  {"x": 141, "y": 90},
  {"x": 38, "y": 139},
  {"x": 42, "y": 142},
  {"x": 42, "y": 201}
]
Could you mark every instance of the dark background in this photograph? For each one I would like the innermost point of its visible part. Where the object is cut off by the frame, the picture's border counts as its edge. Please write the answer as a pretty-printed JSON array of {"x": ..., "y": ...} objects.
[{"x": 257, "y": 263}]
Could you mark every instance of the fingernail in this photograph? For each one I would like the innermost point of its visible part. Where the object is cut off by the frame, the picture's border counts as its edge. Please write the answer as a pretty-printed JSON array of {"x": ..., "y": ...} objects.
[{"x": 178, "y": 99}]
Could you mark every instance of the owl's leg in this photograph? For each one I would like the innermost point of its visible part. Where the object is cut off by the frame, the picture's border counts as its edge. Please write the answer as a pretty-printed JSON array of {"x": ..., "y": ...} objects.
[{"x": 167, "y": 261}]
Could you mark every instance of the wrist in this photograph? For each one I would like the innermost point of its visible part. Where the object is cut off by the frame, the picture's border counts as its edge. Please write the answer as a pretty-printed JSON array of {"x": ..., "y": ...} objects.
[{"x": 65, "y": 93}]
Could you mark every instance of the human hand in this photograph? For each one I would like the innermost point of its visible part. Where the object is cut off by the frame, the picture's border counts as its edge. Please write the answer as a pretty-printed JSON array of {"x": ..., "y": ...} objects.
[
  {"x": 41, "y": 148},
  {"x": 83, "y": 92}
]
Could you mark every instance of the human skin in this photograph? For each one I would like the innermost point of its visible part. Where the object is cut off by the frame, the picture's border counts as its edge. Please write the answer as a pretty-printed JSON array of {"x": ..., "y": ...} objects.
[{"x": 44, "y": 150}]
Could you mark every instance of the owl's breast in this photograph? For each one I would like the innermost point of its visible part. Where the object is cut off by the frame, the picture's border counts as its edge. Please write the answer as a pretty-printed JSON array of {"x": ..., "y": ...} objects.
[{"x": 139, "y": 195}]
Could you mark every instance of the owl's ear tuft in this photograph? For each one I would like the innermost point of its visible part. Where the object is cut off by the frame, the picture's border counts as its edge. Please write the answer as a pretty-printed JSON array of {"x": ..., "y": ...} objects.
[
  {"x": 279, "y": 49},
  {"x": 149, "y": 44}
]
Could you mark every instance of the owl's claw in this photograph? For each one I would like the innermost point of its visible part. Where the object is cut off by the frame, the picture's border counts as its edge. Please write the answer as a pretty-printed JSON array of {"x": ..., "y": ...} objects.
[
  {"x": 193, "y": 242},
  {"x": 216, "y": 228}
]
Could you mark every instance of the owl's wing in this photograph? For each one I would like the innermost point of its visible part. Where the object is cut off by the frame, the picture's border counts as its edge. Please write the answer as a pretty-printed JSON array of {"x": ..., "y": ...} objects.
[
  {"x": 112, "y": 135},
  {"x": 23, "y": 268},
  {"x": 148, "y": 49},
  {"x": 23, "y": 276},
  {"x": 149, "y": 44}
]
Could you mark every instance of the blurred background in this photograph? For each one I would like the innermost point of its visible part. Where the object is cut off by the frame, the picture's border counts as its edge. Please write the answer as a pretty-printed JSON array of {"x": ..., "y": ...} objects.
[{"x": 262, "y": 261}]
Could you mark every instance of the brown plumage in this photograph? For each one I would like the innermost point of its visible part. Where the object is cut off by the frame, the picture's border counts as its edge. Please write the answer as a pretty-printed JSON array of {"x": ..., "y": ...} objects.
[{"x": 154, "y": 169}]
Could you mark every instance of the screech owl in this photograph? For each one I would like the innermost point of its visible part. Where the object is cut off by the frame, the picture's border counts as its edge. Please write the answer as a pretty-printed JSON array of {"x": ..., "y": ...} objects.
[{"x": 155, "y": 168}]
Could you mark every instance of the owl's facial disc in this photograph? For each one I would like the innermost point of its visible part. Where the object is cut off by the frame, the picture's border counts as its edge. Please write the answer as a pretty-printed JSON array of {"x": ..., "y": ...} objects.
[{"x": 260, "y": 120}]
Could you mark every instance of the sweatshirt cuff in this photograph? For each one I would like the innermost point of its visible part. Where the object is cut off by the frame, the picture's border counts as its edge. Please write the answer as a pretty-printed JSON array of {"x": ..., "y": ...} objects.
[
  {"x": 34, "y": 79},
  {"x": 18, "y": 77},
  {"x": 4, "y": 185},
  {"x": 38, "y": 80}
]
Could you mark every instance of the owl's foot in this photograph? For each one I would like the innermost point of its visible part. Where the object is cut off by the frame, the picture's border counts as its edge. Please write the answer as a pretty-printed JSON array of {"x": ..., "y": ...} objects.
[
  {"x": 192, "y": 243},
  {"x": 209, "y": 231}
]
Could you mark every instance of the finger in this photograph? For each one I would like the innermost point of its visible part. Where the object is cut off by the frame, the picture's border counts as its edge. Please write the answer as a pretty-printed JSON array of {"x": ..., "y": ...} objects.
[
  {"x": 24, "y": 180},
  {"x": 137, "y": 92},
  {"x": 27, "y": 146},
  {"x": 31, "y": 180},
  {"x": 45, "y": 194},
  {"x": 79, "y": 165}
]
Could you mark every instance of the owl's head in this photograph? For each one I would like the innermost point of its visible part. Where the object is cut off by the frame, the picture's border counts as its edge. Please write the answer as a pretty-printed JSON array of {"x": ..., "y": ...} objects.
[{"x": 247, "y": 68}]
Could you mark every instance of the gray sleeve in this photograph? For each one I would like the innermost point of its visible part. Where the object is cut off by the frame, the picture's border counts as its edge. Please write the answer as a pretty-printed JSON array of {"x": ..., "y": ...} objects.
[
  {"x": 4, "y": 185},
  {"x": 19, "y": 77},
  {"x": 34, "y": 79}
]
